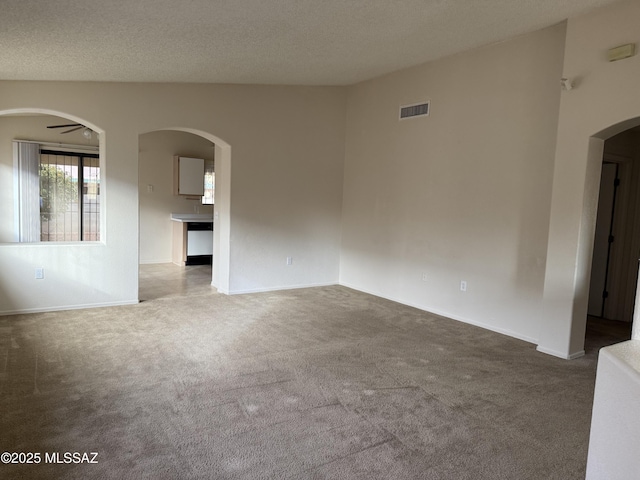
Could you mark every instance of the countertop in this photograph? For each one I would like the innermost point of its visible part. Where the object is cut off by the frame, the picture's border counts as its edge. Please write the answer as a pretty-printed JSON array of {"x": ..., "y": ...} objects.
[
  {"x": 192, "y": 217},
  {"x": 625, "y": 354}
]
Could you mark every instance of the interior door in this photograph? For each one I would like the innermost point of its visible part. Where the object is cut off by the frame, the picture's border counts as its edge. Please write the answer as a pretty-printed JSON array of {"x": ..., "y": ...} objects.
[{"x": 603, "y": 239}]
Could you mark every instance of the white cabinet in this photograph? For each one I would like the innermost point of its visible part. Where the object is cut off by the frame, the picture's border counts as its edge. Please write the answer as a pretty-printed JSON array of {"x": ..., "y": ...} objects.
[{"x": 188, "y": 176}]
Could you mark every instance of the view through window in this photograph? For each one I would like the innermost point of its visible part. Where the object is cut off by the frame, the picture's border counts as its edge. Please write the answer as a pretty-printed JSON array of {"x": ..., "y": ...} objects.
[
  {"x": 69, "y": 196},
  {"x": 209, "y": 183}
]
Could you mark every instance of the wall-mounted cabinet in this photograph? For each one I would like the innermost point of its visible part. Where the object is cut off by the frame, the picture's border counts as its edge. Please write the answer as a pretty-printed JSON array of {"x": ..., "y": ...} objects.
[{"x": 188, "y": 176}]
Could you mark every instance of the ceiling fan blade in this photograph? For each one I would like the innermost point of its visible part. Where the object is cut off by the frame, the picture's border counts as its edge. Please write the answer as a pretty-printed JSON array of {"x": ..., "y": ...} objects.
[
  {"x": 64, "y": 126},
  {"x": 72, "y": 129}
]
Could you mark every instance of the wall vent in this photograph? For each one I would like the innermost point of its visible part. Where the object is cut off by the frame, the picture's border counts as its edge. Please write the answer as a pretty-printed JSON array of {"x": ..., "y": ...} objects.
[{"x": 415, "y": 110}]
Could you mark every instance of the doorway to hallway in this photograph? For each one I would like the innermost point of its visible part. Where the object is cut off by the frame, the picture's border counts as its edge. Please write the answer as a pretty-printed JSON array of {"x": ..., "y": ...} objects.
[{"x": 614, "y": 271}]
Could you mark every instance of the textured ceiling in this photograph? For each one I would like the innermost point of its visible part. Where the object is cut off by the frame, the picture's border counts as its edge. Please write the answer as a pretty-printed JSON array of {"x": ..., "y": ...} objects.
[{"x": 304, "y": 42}]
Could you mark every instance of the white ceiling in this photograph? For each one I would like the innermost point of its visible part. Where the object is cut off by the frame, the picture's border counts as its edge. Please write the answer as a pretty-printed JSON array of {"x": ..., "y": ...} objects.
[{"x": 304, "y": 42}]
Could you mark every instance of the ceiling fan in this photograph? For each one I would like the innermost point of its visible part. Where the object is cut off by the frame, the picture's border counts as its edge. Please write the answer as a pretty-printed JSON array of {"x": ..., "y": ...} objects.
[{"x": 74, "y": 127}]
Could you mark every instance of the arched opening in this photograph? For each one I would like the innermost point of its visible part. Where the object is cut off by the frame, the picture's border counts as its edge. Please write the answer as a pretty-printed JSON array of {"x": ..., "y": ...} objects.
[
  {"x": 67, "y": 205},
  {"x": 55, "y": 113},
  {"x": 613, "y": 276},
  {"x": 204, "y": 145}
]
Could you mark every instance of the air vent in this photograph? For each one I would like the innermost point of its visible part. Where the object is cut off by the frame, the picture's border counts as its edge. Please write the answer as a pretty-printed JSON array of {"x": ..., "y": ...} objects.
[{"x": 415, "y": 110}]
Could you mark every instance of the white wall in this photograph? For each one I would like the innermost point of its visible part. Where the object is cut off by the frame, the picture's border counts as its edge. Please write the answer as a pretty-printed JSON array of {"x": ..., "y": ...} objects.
[
  {"x": 497, "y": 187},
  {"x": 287, "y": 148},
  {"x": 156, "y": 168},
  {"x": 463, "y": 194},
  {"x": 604, "y": 102}
]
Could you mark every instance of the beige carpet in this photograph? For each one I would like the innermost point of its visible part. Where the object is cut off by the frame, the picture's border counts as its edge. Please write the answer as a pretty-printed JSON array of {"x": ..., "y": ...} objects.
[{"x": 322, "y": 383}]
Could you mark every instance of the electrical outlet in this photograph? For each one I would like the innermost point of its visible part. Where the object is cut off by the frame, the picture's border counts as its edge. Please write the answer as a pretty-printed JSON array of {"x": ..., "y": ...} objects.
[
  {"x": 425, "y": 277},
  {"x": 289, "y": 260},
  {"x": 39, "y": 273},
  {"x": 463, "y": 286}
]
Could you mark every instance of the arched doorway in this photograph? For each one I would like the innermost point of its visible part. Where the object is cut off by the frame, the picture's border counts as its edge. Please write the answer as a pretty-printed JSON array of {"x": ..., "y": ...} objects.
[
  {"x": 613, "y": 272},
  {"x": 221, "y": 218},
  {"x": 61, "y": 145},
  {"x": 614, "y": 266}
]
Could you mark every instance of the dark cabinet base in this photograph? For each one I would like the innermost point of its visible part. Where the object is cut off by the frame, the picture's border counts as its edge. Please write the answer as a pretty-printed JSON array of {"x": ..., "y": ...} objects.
[{"x": 199, "y": 260}]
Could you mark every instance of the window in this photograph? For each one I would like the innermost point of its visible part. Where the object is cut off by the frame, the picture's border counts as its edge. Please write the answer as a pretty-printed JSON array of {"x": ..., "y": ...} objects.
[
  {"x": 69, "y": 196},
  {"x": 209, "y": 183},
  {"x": 58, "y": 193}
]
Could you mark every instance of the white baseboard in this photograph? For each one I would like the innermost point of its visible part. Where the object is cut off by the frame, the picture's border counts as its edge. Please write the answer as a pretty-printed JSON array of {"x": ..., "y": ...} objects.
[
  {"x": 66, "y": 307},
  {"x": 556, "y": 353},
  {"x": 426, "y": 308},
  {"x": 154, "y": 262},
  {"x": 275, "y": 289}
]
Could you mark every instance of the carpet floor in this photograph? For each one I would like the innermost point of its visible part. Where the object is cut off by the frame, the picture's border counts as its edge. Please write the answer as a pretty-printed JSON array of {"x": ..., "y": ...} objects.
[{"x": 319, "y": 383}]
